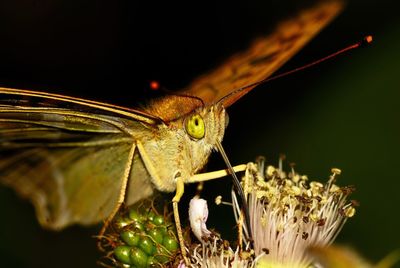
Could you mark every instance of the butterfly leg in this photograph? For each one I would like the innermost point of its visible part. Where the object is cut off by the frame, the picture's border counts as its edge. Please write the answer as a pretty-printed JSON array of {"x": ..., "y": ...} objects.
[
  {"x": 180, "y": 188},
  {"x": 121, "y": 196},
  {"x": 179, "y": 192}
]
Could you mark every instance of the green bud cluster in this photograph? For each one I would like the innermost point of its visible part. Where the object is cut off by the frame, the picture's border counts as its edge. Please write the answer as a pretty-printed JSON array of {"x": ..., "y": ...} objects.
[{"x": 142, "y": 239}]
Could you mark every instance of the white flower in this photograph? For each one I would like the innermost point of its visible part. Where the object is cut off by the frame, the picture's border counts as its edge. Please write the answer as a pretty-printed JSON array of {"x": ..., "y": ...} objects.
[
  {"x": 288, "y": 218},
  {"x": 288, "y": 215},
  {"x": 198, "y": 214}
]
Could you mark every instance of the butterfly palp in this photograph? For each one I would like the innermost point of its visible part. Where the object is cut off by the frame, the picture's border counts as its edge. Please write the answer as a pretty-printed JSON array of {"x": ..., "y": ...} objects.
[{"x": 195, "y": 126}]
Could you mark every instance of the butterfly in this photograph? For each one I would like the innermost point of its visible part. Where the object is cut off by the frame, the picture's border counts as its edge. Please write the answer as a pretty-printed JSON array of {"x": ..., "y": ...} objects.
[{"x": 78, "y": 160}]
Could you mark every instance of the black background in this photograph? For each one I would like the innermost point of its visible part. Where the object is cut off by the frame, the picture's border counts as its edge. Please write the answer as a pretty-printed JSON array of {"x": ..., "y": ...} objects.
[{"x": 343, "y": 113}]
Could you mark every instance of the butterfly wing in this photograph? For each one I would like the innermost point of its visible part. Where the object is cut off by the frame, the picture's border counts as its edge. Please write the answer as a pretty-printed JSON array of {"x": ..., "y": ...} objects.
[
  {"x": 264, "y": 56},
  {"x": 69, "y": 162}
]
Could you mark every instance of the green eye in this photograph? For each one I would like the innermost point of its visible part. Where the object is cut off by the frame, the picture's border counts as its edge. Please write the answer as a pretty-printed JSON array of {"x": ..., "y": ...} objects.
[{"x": 195, "y": 126}]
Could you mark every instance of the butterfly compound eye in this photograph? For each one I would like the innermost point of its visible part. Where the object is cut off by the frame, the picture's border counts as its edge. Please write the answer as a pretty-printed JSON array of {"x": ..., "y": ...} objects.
[{"x": 195, "y": 127}]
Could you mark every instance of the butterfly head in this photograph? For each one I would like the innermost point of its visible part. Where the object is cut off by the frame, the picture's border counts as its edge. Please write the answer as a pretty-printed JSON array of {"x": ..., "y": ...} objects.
[
  {"x": 201, "y": 123},
  {"x": 195, "y": 128}
]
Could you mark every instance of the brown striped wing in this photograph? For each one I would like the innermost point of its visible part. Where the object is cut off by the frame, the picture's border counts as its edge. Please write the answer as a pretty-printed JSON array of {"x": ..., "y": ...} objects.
[{"x": 264, "y": 56}]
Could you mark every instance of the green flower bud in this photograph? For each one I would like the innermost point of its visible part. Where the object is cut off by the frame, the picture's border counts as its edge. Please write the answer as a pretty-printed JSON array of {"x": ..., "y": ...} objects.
[
  {"x": 158, "y": 220},
  {"x": 147, "y": 245},
  {"x": 130, "y": 238},
  {"x": 134, "y": 215},
  {"x": 122, "y": 253},
  {"x": 138, "y": 257},
  {"x": 157, "y": 234},
  {"x": 170, "y": 243}
]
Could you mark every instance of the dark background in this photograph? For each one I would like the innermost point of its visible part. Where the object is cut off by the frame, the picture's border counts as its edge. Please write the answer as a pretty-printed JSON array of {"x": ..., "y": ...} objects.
[{"x": 343, "y": 113}]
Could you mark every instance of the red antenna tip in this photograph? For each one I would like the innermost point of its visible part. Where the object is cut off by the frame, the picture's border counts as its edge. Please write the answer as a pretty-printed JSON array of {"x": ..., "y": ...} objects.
[
  {"x": 366, "y": 41},
  {"x": 154, "y": 85}
]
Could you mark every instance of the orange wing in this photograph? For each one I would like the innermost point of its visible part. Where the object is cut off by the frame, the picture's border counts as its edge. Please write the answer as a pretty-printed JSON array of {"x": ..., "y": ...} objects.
[{"x": 264, "y": 56}]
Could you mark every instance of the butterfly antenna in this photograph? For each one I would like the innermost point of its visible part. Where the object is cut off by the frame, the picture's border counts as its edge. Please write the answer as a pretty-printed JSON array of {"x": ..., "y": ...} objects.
[
  {"x": 365, "y": 41},
  {"x": 238, "y": 188},
  {"x": 155, "y": 85}
]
